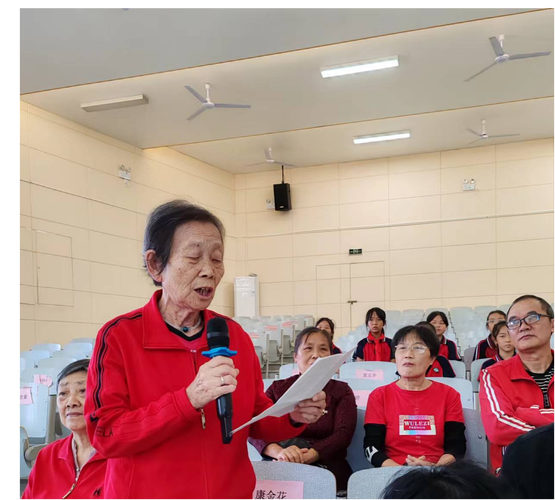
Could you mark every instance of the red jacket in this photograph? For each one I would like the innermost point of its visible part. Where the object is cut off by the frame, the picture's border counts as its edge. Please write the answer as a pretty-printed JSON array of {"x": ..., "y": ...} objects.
[
  {"x": 53, "y": 474},
  {"x": 485, "y": 349},
  {"x": 511, "y": 404},
  {"x": 139, "y": 416}
]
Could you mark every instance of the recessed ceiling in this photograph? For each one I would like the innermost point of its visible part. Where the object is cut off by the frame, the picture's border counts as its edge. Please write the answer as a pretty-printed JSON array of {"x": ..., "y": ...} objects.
[{"x": 310, "y": 120}]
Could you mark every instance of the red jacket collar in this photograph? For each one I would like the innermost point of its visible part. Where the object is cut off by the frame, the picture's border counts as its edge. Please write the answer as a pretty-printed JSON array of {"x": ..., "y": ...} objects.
[
  {"x": 66, "y": 453},
  {"x": 489, "y": 340},
  {"x": 443, "y": 340},
  {"x": 518, "y": 372},
  {"x": 371, "y": 338}
]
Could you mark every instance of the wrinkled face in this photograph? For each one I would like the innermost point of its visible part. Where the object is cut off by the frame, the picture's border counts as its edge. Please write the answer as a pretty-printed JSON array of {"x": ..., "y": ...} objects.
[
  {"x": 324, "y": 325},
  {"x": 71, "y": 401},
  {"x": 504, "y": 341},
  {"x": 375, "y": 325},
  {"x": 493, "y": 319},
  {"x": 195, "y": 266},
  {"x": 528, "y": 338},
  {"x": 439, "y": 325},
  {"x": 412, "y": 357},
  {"x": 314, "y": 346}
]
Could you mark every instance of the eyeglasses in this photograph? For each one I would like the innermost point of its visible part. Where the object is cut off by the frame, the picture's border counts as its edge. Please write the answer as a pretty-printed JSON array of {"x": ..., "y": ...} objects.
[
  {"x": 514, "y": 324},
  {"x": 417, "y": 349}
]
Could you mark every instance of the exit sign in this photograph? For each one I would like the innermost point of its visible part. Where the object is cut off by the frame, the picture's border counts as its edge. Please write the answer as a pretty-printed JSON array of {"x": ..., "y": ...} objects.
[{"x": 355, "y": 251}]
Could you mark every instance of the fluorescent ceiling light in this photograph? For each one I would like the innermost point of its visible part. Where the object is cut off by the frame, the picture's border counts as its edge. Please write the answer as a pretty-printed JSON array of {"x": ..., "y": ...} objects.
[
  {"x": 360, "y": 67},
  {"x": 120, "y": 102},
  {"x": 390, "y": 136}
]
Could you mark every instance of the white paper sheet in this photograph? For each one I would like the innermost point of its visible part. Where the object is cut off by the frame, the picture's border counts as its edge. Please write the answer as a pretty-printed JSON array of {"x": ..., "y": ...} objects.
[{"x": 306, "y": 387}]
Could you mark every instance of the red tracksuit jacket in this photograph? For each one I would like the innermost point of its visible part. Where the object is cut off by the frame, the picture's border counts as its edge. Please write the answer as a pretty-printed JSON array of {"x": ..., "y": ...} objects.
[
  {"x": 53, "y": 474},
  {"x": 511, "y": 404},
  {"x": 140, "y": 418}
]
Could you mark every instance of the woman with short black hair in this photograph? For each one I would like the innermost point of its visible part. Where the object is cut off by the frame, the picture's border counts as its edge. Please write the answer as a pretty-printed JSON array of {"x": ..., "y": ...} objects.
[
  {"x": 376, "y": 346},
  {"x": 447, "y": 348},
  {"x": 328, "y": 325}
]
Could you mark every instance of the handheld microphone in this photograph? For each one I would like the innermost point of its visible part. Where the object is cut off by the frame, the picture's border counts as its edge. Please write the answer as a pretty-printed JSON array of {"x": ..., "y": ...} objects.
[{"x": 217, "y": 334}]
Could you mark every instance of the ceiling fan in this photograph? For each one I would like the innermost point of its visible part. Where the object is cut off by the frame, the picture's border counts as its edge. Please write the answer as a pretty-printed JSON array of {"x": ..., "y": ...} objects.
[
  {"x": 208, "y": 104},
  {"x": 501, "y": 56},
  {"x": 270, "y": 160},
  {"x": 484, "y": 134}
]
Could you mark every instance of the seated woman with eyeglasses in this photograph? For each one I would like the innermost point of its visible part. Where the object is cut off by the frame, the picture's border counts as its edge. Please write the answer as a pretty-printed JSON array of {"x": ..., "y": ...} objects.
[{"x": 414, "y": 421}]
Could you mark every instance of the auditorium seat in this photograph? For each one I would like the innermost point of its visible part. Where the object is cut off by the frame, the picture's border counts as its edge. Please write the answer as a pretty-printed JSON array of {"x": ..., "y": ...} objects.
[
  {"x": 370, "y": 483},
  {"x": 50, "y": 347},
  {"x": 467, "y": 357},
  {"x": 475, "y": 369},
  {"x": 462, "y": 386},
  {"x": 366, "y": 385},
  {"x": 56, "y": 363},
  {"x": 32, "y": 357},
  {"x": 476, "y": 443},
  {"x": 459, "y": 368},
  {"x": 355, "y": 452},
  {"x": 33, "y": 417},
  {"x": 287, "y": 370},
  {"x": 268, "y": 382},
  {"x": 254, "y": 456},
  {"x": 378, "y": 370}
]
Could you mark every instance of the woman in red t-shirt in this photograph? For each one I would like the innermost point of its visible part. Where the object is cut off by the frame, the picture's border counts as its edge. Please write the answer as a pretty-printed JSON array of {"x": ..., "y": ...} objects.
[
  {"x": 375, "y": 347},
  {"x": 414, "y": 421}
]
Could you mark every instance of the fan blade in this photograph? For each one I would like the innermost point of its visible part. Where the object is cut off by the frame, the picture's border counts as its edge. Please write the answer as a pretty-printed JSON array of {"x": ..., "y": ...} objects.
[
  {"x": 526, "y": 56},
  {"x": 480, "y": 72},
  {"x": 195, "y": 93},
  {"x": 256, "y": 164},
  {"x": 472, "y": 132},
  {"x": 496, "y": 46},
  {"x": 503, "y": 135},
  {"x": 268, "y": 153},
  {"x": 473, "y": 142},
  {"x": 196, "y": 113},
  {"x": 221, "y": 105},
  {"x": 284, "y": 164}
]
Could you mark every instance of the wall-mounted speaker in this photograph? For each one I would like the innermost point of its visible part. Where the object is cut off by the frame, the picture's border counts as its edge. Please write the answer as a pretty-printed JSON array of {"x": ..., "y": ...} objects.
[{"x": 282, "y": 196}]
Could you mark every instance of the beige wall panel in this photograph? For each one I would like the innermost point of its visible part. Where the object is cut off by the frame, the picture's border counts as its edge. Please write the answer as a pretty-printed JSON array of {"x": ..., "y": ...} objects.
[
  {"x": 24, "y": 198},
  {"x": 26, "y": 239},
  {"x": 524, "y": 280},
  {"x": 112, "y": 190},
  {"x": 25, "y": 221},
  {"x": 277, "y": 310},
  {"x": 531, "y": 253},
  {"x": 51, "y": 117},
  {"x": 306, "y": 309},
  {"x": 525, "y": 227},
  {"x": 363, "y": 189},
  {"x": 276, "y": 294},
  {"x": 416, "y": 286},
  {"x": 55, "y": 206},
  {"x": 24, "y": 163},
  {"x": 324, "y": 243},
  {"x": 527, "y": 172},
  {"x": 268, "y": 223},
  {"x": 209, "y": 193},
  {"x": 159, "y": 176},
  {"x": 345, "y": 291},
  {"x": 62, "y": 333},
  {"x": 27, "y": 337},
  {"x": 415, "y": 209},
  {"x": 145, "y": 285},
  {"x": 148, "y": 199},
  {"x": 366, "y": 269},
  {"x": 240, "y": 225},
  {"x": 401, "y": 305},
  {"x": 272, "y": 270},
  {"x": 240, "y": 181},
  {"x": 79, "y": 237},
  {"x": 115, "y": 280},
  {"x": 241, "y": 248},
  {"x": 328, "y": 272},
  {"x": 310, "y": 219},
  {"x": 81, "y": 275},
  {"x": 365, "y": 168},
  {"x": 318, "y": 194},
  {"x": 368, "y": 289},
  {"x": 508, "y": 299},
  {"x": 414, "y": 184},
  {"x": 469, "y": 283},
  {"x": 472, "y": 301},
  {"x": 525, "y": 199},
  {"x": 468, "y": 257},
  {"x": 468, "y": 232},
  {"x": 256, "y": 199},
  {"x": 106, "y": 307},
  {"x": 107, "y": 249},
  {"x": 359, "y": 310},
  {"x": 305, "y": 292},
  {"x": 79, "y": 313},
  {"x": 414, "y": 163},
  {"x": 230, "y": 248},
  {"x": 309, "y": 175},
  {"x": 53, "y": 244},
  {"x": 57, "y": 173},
  {"x": 241, "y": 268},
  {"x": 54, "y": 271},
  {"x": 223, "y": 297},
  {"x": 265, "y": 179},
  {"x": 469, "y": 156},
  {"x": 57, "y": 140},
  {"x": 470, "y": 204},
  {"x": 27, "y": 294},
  {"x": 415, "y": 261},
  {"x": 112, "y": 220},
  {"x": 328, "y": 291},
  {"x": 523, "y": 150},
  {"x": 452, "y": 178},
  {"x": 26, "y": 311},
  {"x": 227, "y": 219},
  {"x": 55, "y": 297},
  {"x": 367, "y": 239},
  {"x": 304, "y": 268},
  {"x": 241, "y": 201},
  {"x": 27, "y": 271},
  {"x": 141, "y": 226},
  {"x": 108, "y": 158},
  {"x": 270, "y": 247},
  {"x": 24, "y": 127},
  {"x": 417, "y": 236},
  {"x": 364, "y": 214}
]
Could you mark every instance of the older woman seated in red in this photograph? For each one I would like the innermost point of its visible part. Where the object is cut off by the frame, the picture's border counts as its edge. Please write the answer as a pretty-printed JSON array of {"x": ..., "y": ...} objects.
[
  {"x": 325, "y": 442},
  {"x": 69, "y": 467},
  {"x": 414, "y": 421}
]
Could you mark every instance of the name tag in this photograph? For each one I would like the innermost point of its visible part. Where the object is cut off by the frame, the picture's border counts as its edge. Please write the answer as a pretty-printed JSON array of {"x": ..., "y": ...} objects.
[
  {"x": 361, "y": 398},
  {"x": 370, "y": 374},
  {"x": 417, "y": 425},
  {"x": 266, "y": 489}
]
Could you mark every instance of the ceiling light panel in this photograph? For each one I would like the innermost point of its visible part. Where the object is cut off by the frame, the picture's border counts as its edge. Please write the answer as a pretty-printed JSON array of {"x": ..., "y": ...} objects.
[
  {"x": 360, "y": 67},
  {"x": 389, "y": 136},
  {"x": 120, "y": 102}
]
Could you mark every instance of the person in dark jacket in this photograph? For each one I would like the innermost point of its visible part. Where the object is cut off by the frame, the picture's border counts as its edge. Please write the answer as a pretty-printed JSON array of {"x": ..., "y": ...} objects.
[
  {"x": 376, "y": 346},
  {"x": 441, "y": 367},
  {"x": 505, "y": 346},
  {"x": 447, "y": 348},
  {"x": 329, "y": 326},
  {"x": 486, "y": 347}
]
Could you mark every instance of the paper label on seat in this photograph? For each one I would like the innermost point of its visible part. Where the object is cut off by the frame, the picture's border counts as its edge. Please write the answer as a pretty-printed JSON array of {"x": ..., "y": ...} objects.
[
  {"x": 371, "y": 374},
  {"x": 361, "y": 397},
  {"x": 278, "y": 489},
  {"x": 43, "y": 380},
  {"x": 272, "y": 328},
  {"x": 287, "y": 324},
  {"x": 25, "y": 397},
  {"x": 417, "y": 425}
]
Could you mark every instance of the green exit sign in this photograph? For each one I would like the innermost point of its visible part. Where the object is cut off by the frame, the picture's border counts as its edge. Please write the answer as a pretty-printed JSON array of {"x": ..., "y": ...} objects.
[{"x": 355, "y": 251}]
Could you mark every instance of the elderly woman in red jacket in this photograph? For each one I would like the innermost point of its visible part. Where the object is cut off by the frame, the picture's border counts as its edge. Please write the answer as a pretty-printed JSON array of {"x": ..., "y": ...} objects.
[
  {"x": 151, "y": 408},
  {"x": 69, "y": 467}
]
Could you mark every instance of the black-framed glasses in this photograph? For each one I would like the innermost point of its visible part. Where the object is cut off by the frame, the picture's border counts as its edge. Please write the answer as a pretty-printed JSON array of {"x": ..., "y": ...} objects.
[{"x": 514, "y": 324}]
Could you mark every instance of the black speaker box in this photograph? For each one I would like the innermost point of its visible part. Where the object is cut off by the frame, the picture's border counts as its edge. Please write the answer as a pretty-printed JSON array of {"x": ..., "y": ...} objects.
[{"x": 282, "y": 197}]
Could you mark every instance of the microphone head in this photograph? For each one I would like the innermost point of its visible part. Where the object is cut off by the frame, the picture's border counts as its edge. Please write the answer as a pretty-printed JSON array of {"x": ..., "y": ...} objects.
[{"x": 217, "y": 333}]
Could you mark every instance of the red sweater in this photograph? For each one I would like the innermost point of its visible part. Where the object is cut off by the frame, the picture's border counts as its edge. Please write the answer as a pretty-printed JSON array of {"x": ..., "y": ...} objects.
[
  {"x": 53, "y": 474},
  {"x": 139, "y": 416},
  {"x": 372, "y": 349},
  {"x": 511, "y": 404}
]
